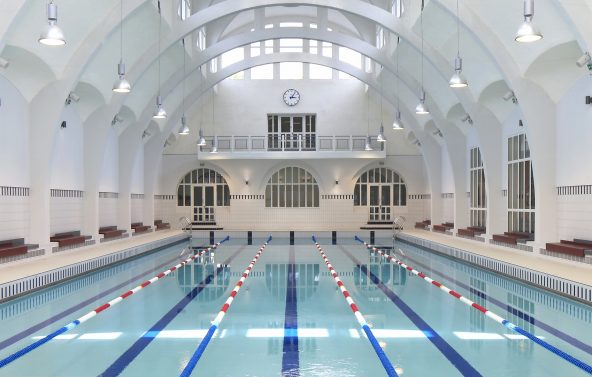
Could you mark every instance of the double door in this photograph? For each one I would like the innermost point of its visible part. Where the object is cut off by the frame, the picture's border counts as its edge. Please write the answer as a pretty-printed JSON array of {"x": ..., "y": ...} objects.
[
  {"x": 380, "y": 202},
  {"x": 203, "y": 204},
  {"x": 291, "y": 132}
]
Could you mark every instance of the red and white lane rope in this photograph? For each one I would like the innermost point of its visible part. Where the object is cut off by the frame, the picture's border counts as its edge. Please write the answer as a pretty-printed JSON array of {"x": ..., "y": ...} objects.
[
  {"x": 216, "y": 322},
  {"x": 103, "y": 307},
  {"x": 482, "y": 309},
  {"x": 386, "y": 363}
]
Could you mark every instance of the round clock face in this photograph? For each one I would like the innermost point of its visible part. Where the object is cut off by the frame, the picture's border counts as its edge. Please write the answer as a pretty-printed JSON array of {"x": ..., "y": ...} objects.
[{"x": 291, "y": 97}]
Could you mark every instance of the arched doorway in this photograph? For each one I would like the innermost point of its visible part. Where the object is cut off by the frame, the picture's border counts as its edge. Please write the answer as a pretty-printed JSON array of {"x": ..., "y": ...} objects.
[{"x": 204, "y": 190}]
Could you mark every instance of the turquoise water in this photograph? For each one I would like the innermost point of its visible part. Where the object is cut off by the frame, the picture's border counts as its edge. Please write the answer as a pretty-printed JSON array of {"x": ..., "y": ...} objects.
[{"x": 423, "y": 331}]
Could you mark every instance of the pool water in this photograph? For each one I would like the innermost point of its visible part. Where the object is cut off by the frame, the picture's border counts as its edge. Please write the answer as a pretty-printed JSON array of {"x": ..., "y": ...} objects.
[{"x": 290, "y": 319}]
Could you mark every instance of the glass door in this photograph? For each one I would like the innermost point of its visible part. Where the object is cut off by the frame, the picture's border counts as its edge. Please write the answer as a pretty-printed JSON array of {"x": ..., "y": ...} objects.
[
  {"x": 203, "y": 204},
  {"x": 379, "y": 199}
]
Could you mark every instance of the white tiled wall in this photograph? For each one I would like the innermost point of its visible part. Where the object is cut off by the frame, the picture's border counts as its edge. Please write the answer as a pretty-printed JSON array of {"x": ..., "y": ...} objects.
[
  {"x": 137, "y": 210},
  {"x": 574, "y": 217},
  {"x": 417, "y": 210},
  {"x": 14, "y": 217},
  {"x": 164, "y": 209},
  {"x": 65, "y": 214},
  {"x": 107, "y": 211},
  {"x": 448, "y": 209}
]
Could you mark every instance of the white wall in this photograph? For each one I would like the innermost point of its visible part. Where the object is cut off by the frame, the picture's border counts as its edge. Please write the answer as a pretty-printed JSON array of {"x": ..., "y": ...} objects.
[
  {"x": 67, "y": 164},
  {"x": 109, "y": 181},
  {"x": 14, "y": 137},
  {"x": 574, "y": 138}
]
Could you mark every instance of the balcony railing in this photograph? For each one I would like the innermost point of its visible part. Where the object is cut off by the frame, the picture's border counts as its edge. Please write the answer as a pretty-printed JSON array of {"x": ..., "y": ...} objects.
[{"x": 291, "y": 143}]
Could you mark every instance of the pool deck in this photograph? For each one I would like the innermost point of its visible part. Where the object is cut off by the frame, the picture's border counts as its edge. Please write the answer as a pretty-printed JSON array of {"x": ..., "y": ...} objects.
[
  {"x": 574, "y": 271},
  {"x": 579, "y": 272},
  {"x": 32, "y": 266}
]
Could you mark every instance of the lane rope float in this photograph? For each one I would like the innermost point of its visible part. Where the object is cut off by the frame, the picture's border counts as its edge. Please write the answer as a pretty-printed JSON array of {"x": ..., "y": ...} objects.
[
  {"x": 386, "y": 363},
  {"x": 23, "y": 351},
  {"x": 571, "y": 359},
  {"x": 216, "y": 322}
]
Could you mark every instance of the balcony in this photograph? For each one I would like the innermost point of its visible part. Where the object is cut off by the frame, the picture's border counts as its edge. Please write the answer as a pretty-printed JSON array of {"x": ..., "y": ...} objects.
[{"x": 290, "y": 146}]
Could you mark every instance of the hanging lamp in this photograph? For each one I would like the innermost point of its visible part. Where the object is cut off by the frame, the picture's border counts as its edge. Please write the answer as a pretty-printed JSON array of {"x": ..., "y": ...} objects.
[
  {"x": 121, "y": 85},
  {"x": 160, "y": 112},
  {"x": 52, "y": 35},
  {"x": 421, "y": 108}
]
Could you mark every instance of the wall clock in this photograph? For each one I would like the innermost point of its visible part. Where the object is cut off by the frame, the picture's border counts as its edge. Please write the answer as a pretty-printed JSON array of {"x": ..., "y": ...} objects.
[{"x": 291, "y": 97}]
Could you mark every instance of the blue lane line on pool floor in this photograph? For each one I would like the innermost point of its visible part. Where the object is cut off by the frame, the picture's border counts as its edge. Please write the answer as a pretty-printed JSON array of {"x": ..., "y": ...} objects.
[
  {"x": 33, "y": 329},
  {"x": 122, "y": 362},
  {"x": 542, "y": 325},
  {"x": 290, "y": 359},
  {"x": 460, "y": 363}
]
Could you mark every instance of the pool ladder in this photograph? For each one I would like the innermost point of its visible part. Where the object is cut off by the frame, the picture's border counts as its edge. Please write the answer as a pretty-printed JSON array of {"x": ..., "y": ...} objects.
[
  {"x": 398, "y": 223},
  {"x": 185, "y": 224}
]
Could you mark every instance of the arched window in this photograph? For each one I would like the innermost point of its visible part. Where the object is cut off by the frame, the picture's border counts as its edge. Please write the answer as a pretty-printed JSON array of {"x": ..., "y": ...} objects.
[
  {"x": 380, "y": 189},
  {"x": 203, "y": 189},
  {"x": 292, "y": 187}
]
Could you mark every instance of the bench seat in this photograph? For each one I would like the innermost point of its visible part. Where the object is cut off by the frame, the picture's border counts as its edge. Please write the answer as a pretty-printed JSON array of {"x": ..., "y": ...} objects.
[
  {"x": 440, "y": 228},
  {"x": 9, "y": 250},
  {"x": 504, "y": 238},
  {"x": 69, "y": 238},
  {"x": 112, "y": 233},
  {"x": 466, "y": 232},
  {"x": 161, "y": 225},
  {"x": 563, "y": 248},
  {"x": 140, "y": 228}
]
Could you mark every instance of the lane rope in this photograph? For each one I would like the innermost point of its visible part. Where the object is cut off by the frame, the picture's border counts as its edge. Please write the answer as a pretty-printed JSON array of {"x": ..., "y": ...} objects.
[
  {"x": 571, "y": 359},
  {"x": 216, "y": 322},
  {"x": 386, "y": 363},
  {"x": 22, "y": 352}
]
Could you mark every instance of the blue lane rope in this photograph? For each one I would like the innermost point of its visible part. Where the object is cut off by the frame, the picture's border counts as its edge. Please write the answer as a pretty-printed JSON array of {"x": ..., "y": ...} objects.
[
  {"x": 202, "y": 345},
  {"x": 384, "y": 360},
  {"x": 388, "y": 367},
  {"x": 198, "y": 352},
  {"x": 22, "y": 352},
  {"x": 567, "y": 357}
]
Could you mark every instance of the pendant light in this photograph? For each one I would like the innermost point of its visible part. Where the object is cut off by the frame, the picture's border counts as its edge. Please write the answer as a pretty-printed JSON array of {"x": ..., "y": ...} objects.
[
  {"x": 368, "y": 146},
  {"x": 528, "y": 32},
  {"x": 52, "y": 35},
  {"x": 160, "y": 112},
  {"x": 202, "y": 140},
  {"x": 421, "y": 108},
  {"x": 215, "y": 141},
  {"x": 398, "y": 123},
  {"x": 458, "y": 80},
  {"x": 121, "y": 85},
  {"x": 380, "y": 138},
  {"x": 184, "y": 130}
]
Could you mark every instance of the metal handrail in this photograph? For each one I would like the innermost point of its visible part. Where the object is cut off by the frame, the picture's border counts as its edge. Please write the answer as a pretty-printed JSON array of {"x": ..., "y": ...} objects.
[
  {"x": 184, "y": 223},
  {"x": 398, "y": 224}
]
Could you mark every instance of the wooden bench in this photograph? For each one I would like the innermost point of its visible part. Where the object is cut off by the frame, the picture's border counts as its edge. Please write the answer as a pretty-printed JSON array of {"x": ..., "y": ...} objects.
[
  {"x": 471, "y": 231},
  {"x": 569, "y": 249},
  {"x": 440, "y": 228},
  {"x": 423, "y": 224},
  {"x": 69, "y": 238},
  {"x": 161, "y": 225},
  {"x": 466, "y": 232},
  {"x": 110, "y": 232},
  {"x": 505, "y": 239},
  {"x": 140, "y": 228},
  {"x": 10, "y": 248}
]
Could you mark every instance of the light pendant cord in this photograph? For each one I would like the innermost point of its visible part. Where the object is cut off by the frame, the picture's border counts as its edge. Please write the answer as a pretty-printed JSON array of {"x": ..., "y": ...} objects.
[
  {"x": 397, "y": 78},
  {"x": 457, "y": 30},
  {"x": 381, "y": 93},
  {"x": 159, "y": 32},
  {"x": 184, "y": 72},
  {"x": 422, "y": 57},
  {"x": 121, "y": 34}
]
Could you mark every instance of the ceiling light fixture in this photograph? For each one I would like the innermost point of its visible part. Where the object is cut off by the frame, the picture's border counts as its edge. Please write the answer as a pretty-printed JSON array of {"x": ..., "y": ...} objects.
[
  {"x": 368, "y": 145},
  {"x": 184, "y": 130},
  {"x": 215, "y": 141},
  {"x": 4, "y": 63},
  {"x": 421, "y": 108},
  {"x": 52, "y": 35},
  {"x": 202, "y": 141},
  {"x": 116, "y": 119},
  {"x": 458, "y": 80},
  {"x": 121, "y": 85},
  {"x": 398, "y": 123},
  {"x": 466, "y": 118},
  {"x": 528, "y": 32},
  {"x": 584, "y": 60},
  {"x": 160, "y": 112},
  {"x": 380, "y": 138},
  {"x": 510, "y": 96}
]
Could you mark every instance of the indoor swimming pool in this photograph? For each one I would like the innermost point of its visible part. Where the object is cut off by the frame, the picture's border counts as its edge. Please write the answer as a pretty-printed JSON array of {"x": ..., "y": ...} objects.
[{"x": 290, "y": 318}]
